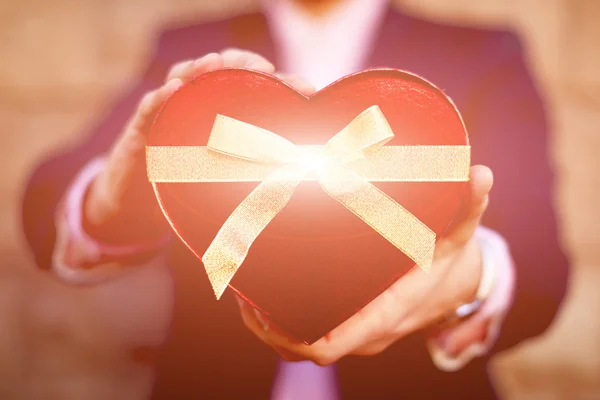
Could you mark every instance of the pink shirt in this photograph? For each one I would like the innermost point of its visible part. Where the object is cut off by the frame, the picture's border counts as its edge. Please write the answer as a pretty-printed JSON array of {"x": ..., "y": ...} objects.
[{"x": 320, "y": 50}]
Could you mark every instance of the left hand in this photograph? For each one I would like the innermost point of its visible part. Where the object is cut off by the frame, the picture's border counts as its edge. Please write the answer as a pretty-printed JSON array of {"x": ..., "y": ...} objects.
[{"x": 414, "y": 302}]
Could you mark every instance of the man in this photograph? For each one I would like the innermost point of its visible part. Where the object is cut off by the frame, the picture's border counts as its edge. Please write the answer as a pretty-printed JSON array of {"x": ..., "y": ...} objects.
[{"x": 90, "y": 216}]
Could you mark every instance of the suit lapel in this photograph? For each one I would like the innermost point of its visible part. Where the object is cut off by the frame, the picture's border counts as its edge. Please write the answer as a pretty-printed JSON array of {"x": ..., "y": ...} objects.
[
  {"x": 392, "y": 43},
  {"x": 251, "y": 32}
]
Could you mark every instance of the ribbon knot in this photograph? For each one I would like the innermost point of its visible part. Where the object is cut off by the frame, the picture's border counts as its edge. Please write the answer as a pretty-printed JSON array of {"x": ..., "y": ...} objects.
[{"x": 344, "y": 167}]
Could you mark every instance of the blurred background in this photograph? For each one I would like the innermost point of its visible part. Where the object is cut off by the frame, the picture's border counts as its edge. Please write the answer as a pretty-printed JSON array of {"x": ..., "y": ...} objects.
[{"x": 63, "y": 61}]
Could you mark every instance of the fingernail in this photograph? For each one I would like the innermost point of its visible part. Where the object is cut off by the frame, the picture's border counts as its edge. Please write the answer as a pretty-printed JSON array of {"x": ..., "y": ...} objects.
[
  {"x": 239, "y": 300},
  {"x": 262, "y": 319},
  {"x": 260, "y": 65},
  {"x": 175, "y": 83}
]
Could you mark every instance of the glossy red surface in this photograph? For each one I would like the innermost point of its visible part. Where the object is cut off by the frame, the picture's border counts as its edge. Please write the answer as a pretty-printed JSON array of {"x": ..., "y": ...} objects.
[{"x": 316, "y": 264}]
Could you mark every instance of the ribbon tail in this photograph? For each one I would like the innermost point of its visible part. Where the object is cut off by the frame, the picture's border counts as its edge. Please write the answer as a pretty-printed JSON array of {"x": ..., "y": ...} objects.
[
  {"x": 380, "y": 212},
  {"x": 230, "y": 247}
]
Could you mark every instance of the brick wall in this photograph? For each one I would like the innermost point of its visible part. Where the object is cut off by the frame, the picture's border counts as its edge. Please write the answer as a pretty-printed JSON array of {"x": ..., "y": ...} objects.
[{"x": 64, "y": 60}]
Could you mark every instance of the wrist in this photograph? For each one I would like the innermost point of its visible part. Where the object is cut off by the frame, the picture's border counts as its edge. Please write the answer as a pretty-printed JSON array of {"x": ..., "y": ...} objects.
[
  {"x": 472, "y": 270},
  {"x": 478, "y": 324},
  {"x": 76, "y": 250}
]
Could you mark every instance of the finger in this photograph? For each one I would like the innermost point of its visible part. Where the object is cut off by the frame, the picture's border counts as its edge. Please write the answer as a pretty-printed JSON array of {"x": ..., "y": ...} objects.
[
  {"x": 297, "y": 83},
  {"x": 482, "y": 180},
  {"x": 262, "y": 329},
  {"x": 189, "y": 69},
  {"x": 450, "y": 349},
  {"x": 346, "y": 338},
  {"x": 370, "y": 322},
  {"x": 375, "y": 347},
  {"x": 461, "y": 339},
  {"x": 484, "y": 325},
  {"x": 373, "y": 323},
  {"x": 269, "y": 334},
  {"x": 341, "y": 341},
  {"x": 177, "y": 69},
  {"x": 262, "y": 321},
  {"x": 395, "y": 311},
  {"x": 150, "y": 104},
  {"x": 251, "y": 322},
  {"x": 236, "y": 58},
  {"x": 287, "y": 355}
]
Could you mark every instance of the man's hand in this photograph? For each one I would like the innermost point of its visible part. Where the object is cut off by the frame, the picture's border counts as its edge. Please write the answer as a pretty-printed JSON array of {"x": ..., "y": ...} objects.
[
  {"x": 415, "y": 301},
  {"x": 120, "y": 206},
  {"x": 75, "y": 342}
]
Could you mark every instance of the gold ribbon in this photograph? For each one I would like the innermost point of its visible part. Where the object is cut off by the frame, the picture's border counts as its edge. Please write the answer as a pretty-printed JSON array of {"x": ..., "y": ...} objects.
[{"x": 344, "y": 168}]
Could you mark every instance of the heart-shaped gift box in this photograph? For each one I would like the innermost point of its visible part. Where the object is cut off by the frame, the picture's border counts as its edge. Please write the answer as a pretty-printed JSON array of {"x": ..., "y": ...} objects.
[{"x": 317, "y": 261}]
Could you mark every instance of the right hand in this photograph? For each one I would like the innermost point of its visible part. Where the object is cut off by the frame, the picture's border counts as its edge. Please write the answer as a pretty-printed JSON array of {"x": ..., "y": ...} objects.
[
  {"x": 99, "y": 341},
  {"x": 120, "y": 206}
]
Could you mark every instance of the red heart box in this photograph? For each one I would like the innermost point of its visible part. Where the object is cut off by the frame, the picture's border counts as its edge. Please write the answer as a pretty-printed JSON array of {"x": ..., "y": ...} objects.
[{"x": 316, "y": 263}]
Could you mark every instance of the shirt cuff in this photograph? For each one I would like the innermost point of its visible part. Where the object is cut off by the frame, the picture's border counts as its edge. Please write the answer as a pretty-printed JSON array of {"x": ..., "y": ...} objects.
[
  {"x": 78, "y": 257},
  {"x": 478, "y": 334}
]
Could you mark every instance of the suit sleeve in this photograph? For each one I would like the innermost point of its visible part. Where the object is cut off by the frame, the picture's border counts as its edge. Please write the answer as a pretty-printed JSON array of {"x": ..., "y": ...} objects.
[
  {"x": 510, "y": 134},
  {"x": 48, "y": 183}
]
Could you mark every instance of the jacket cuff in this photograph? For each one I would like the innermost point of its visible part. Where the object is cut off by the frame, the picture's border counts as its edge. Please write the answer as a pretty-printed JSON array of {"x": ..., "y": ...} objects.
[{"x": 78, "y": 257}]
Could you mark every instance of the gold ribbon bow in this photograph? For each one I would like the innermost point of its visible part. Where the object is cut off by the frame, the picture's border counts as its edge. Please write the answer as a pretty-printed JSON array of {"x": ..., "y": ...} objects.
[{"x": 344, "y": 168}]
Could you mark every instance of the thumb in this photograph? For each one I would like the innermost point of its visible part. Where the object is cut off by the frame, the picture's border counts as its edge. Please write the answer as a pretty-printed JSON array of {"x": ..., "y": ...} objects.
[
  {"x": 481, "y": 180},
  {"x": 128, "y": 150},
  {"x": 150, "y": 104}
]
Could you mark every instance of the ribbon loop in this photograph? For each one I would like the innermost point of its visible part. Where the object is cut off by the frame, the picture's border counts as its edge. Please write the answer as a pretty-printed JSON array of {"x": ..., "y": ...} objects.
[
  {"x": 242, "y": 140},
  {"x": 344, "y": 167},
  {"x": 368, "y": 131}
]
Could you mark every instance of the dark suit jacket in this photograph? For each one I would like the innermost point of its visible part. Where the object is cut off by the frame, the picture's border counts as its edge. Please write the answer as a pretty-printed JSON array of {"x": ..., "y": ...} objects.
[{"x": 483, "y": 71}]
